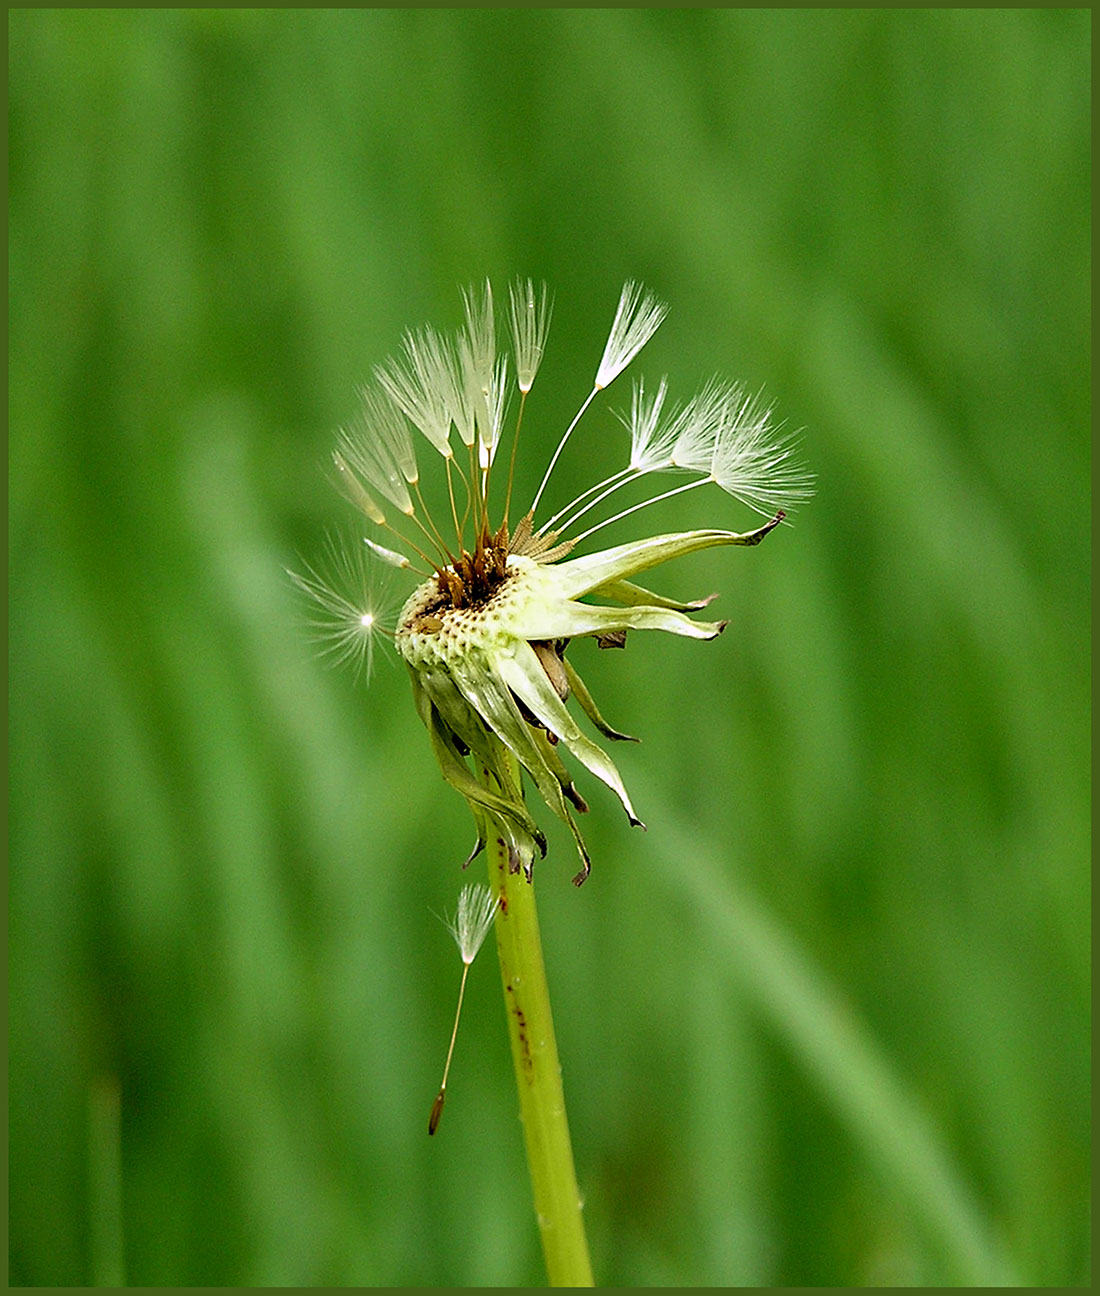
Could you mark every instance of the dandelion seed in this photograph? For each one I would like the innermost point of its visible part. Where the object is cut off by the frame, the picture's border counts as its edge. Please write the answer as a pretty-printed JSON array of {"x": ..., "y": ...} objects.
[
  {"x": 377, "y": 447},
  {"x": 390, "y": 556},
  {"x": 480, "y": 331},
  {"x": 727, "y": 436},
  {"x": 477, "y": 907},
  {"x": 637, "y": 319},
  {"x": 354, "y": 489},
  {"x": 349, "y": 599},
  {"x": 530, "y": 323},
  {"x": 495, "y": 404},
  {"x": 650, "y": 445},
  {"x": 420, "y": 387}
]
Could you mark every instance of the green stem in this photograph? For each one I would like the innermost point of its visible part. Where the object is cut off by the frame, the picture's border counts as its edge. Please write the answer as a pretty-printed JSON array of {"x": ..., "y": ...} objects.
[{"x": 538, "y": 1074}]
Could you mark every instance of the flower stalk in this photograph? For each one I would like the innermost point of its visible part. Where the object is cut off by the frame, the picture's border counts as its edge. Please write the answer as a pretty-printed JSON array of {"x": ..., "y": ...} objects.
[
  {"x": 486, "y": 633},
  {"x": 538, "y": 1071}
]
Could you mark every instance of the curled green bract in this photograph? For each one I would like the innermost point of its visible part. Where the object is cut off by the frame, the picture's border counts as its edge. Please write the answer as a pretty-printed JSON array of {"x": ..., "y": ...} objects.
[{"x": 495, "y": 672}]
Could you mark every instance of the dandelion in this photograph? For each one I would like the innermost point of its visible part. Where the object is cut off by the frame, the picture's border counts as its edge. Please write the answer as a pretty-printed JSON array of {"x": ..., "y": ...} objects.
[{"x": 486, "y": 633}]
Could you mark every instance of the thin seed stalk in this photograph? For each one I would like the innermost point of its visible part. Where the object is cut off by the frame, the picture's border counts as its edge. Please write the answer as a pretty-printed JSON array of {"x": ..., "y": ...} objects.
[{"x": 538, "y": 1073}]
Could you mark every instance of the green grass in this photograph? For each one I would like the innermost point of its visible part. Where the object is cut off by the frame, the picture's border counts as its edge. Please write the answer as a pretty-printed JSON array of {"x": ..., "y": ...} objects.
[{"x": 827, "y": 1022}]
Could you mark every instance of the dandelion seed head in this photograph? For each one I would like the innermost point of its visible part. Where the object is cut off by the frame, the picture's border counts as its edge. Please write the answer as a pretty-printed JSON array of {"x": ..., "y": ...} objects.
[{"x": 485, "y": 631}]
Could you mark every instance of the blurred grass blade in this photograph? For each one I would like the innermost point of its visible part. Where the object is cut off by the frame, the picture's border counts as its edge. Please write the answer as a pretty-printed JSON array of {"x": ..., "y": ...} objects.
[
  {"x": 827, "y": 1038},
  {"x": 105, "y": 1182}
]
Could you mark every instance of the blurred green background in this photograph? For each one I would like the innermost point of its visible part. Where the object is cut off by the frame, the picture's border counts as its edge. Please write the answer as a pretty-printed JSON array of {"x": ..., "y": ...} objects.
[{"x": 827, "y": 1022}]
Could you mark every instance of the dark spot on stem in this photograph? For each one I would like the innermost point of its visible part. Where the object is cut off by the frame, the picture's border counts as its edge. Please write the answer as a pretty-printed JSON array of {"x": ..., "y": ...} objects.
[{"x": 524, "y": 1045}]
